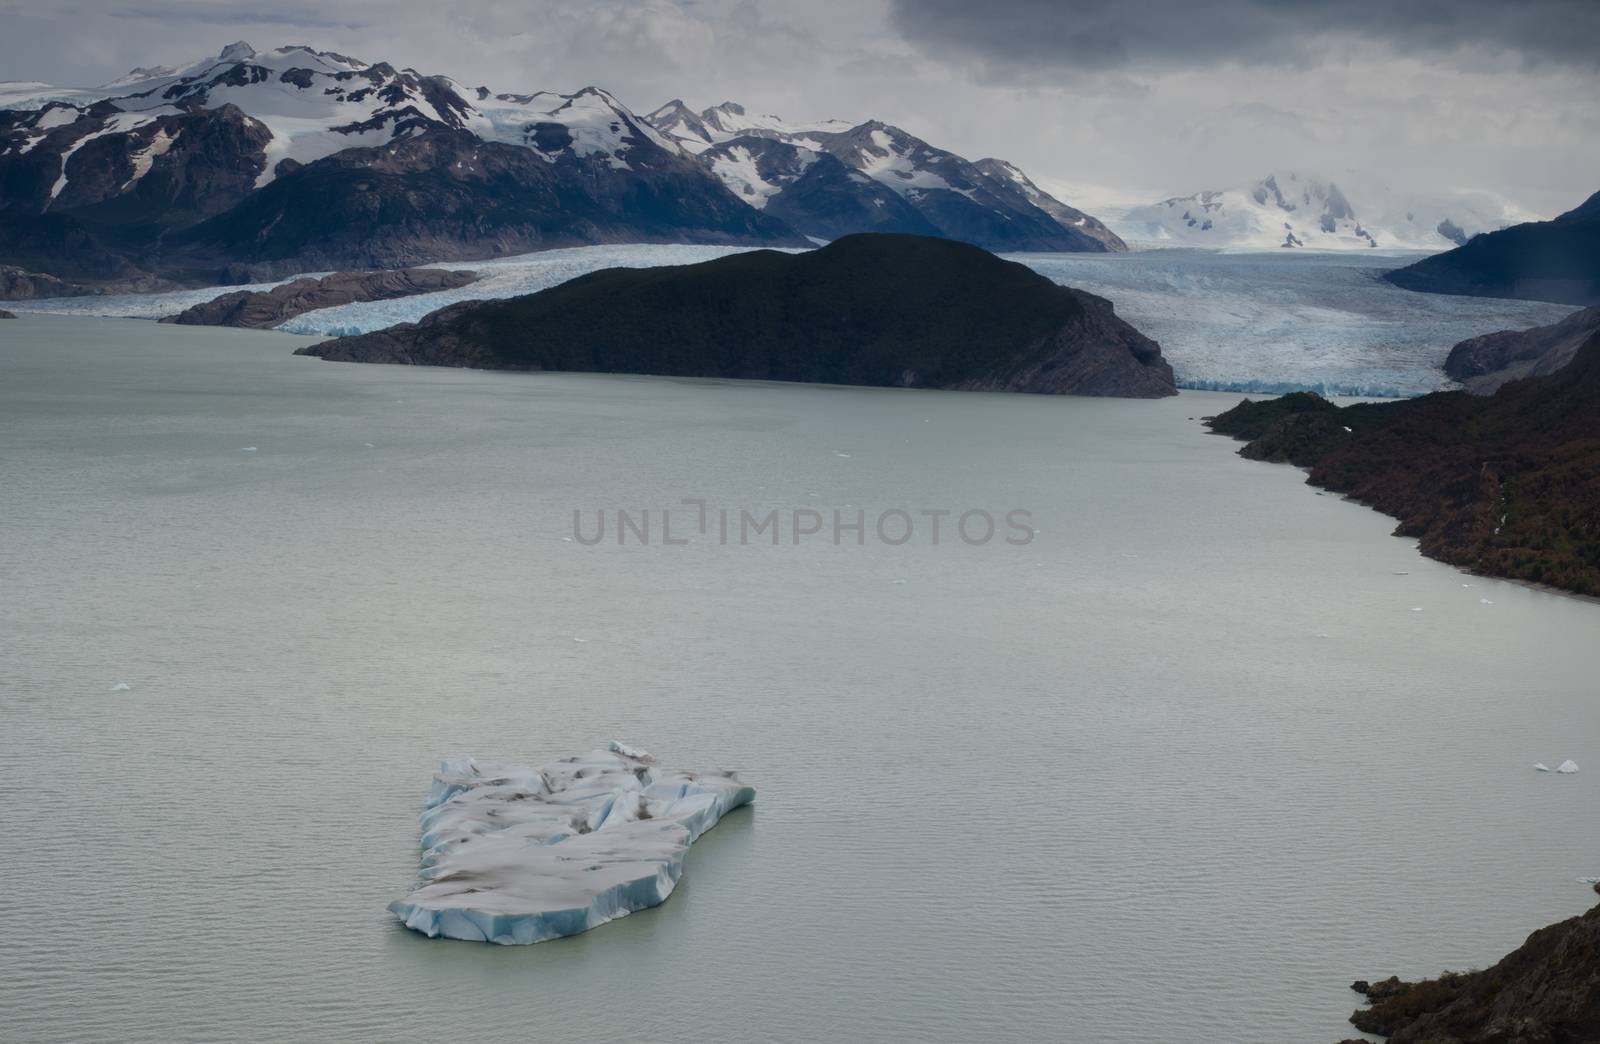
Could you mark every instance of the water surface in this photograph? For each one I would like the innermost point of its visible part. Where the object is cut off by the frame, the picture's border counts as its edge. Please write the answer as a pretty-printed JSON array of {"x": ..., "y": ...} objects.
[{"x": 1179, "y": 769}]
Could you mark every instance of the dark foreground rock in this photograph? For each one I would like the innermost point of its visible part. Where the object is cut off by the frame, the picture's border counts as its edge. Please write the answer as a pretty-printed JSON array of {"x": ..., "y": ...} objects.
[
  {"x": 7, "y": 315},
  {"x": 1555, "y": 260},
  {"x": 1507, "y": 485},
  {"x": 1484, "y": 363},
  {"x": 885, "y": 310},
  {"x": 261, "y": 309},
  {"x": 1547, "y": 991}
]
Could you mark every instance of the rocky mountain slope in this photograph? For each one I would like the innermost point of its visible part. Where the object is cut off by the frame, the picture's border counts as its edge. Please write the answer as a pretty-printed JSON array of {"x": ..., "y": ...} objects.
[
  {"x": 1293, "y": 209},
  {"x": 263, "y": 309},
  {"x": 256, "y": 164},
  {"x": 1555, "y": 260},
  {"x": 832, "y": 177},
  {"x": 1507, "y": 484},
  {"x": 886, "y": 310},
  {"x": 1547, "y": 991},
  {"x": 1484, "y": 363}
]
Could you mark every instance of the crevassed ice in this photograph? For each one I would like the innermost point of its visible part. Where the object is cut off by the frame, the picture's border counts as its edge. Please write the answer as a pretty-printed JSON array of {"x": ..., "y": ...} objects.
[
  {"x": 1259, "y": 324},
  {"x": 1254, "y": 323},
  {"x": 503, "y": 277},
  {"x": 516, "y": 855}
]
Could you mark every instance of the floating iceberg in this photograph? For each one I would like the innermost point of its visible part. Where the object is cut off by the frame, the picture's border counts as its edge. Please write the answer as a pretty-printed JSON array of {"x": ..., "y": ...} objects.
[
  {"x": 517, "y": 855},
  {"x": 1567, "y": 766},
  {"x": 121, "y": 686},
  {"x": 1539, "y": 766}
]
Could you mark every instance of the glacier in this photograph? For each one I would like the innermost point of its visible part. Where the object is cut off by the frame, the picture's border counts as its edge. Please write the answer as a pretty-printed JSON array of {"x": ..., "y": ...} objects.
[
  {"x": 517, "y": 855},
  {"x": 1255, "y": 323}
]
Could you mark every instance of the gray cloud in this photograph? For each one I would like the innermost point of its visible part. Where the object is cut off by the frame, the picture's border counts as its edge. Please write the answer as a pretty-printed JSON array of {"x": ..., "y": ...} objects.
[
  {"x": 1119, "y": 102},
  {"x": 1026, "y": 37}
]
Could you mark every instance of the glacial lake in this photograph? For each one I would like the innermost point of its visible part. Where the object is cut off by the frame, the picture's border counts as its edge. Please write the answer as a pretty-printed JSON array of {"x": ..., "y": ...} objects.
[{"x": 1179, "y": 768}]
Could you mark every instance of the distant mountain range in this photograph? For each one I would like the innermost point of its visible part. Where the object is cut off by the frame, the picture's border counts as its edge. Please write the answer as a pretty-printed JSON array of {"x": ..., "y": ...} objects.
[
  {"x": 252, "y": 165},
  {"x": 833, "y": 177},
  {"x": 1292, "y": 209}
]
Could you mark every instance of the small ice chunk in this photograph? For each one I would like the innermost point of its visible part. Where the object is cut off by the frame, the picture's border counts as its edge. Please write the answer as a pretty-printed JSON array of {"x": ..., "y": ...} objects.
[
  {"x": 369, "y": 445},
  {"x": 1541, "y": 766},
  {"x": 1484, "y": 601},
  {"x": 836, "y": 453},
  {"x": 619, "y": 747},
  {"x": 121, "y": 686},
  {"x": 247, "y": 449},
  {"x": 1416, "y": 608},
  {"x": 1568, "y": 766},
  {"x": 1402, "y": 572},
  {"x": 516, "y": 855}
]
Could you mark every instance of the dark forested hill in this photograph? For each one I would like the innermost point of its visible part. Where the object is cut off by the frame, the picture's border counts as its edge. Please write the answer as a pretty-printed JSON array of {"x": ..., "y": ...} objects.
[
  {"x": 1507, "y": 484},
  {"x": 875, "y": 309}
]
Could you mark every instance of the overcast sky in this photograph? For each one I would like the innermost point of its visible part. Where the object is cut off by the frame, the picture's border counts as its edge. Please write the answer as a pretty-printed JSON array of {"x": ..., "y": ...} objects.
[{"x": 1121, "y": 99}]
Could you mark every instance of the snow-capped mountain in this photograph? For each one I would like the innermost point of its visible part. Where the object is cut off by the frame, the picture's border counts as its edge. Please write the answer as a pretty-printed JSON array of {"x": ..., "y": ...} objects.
[
  {"x": 315, "y": 103},
  {"x": 1291, "y": 209},
  {"x": 831, "y": 177},
  {"x": 297, "y": 159}
]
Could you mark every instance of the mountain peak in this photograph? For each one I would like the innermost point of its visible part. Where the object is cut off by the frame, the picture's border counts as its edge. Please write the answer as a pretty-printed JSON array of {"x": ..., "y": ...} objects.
[
  {"x": 1589, "y": 208},
  {"x": 1294, "y": 208},
  {"x": 237, "y": 51}
]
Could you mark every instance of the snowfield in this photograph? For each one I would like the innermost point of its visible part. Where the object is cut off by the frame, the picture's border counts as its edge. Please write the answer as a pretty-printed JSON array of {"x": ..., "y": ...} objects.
[
  {"x": 1292, "y": 209},
  {"x": 515, "y": 855}
]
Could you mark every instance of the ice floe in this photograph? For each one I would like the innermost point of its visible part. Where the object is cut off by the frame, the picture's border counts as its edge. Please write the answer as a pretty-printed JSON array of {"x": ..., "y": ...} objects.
[
  {"x": 516, "y": 855},
  {"x": 1568, "y": 767},
  {"x": 121, "y": 686}
]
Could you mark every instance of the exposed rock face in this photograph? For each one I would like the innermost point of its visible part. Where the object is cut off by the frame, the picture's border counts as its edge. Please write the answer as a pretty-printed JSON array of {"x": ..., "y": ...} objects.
[
  {"x": 1067, "y": 217},
  {"x": 1484, "y": 363},
  {"x": 249, "y": 166},
  {"x": 1507, "y": 484},
  {"x": 262, "y": 309},
  {"x": 873, "y": 309},
  {"x": 832, "y": 178},
  {"x": 447, "y": 195},
  {"x": 1555, "y": 260},
  {"x": 7, "y": 315},
  {"x": 1547, "y": 991},
  {"x": 17, "y": 284}
]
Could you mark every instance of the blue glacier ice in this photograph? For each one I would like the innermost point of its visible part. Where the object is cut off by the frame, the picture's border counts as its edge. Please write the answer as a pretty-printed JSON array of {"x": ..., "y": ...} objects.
[
  {"x": 1270, "y": 323},
  {"x": 1262, "y": 324},
  {"x": 517, "y": 855}
]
